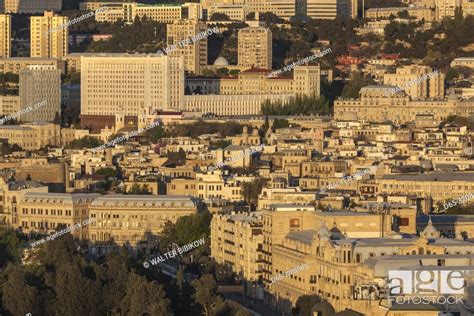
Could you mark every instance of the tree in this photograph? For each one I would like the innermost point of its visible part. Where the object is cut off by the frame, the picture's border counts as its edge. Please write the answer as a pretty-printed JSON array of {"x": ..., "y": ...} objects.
[
  {"x": 139, "y": 189},
  {"x": 253, "y": 189},
  {"x": 304, "y": 105},
  {"x": 156, "y": 133},
  {"x": 206, "y": 292},
  {"x": 143, "y": 297},
  {"x": 219, "y": 17},
  {"x": 9, "y": 246},
  {"x": 351, "y": 90},
  {"x": 305, "y": 304},
  {"x": 84, "y": 142},
  {"x": 18, "y": 297},
  {"x": 108, "y": 172}
]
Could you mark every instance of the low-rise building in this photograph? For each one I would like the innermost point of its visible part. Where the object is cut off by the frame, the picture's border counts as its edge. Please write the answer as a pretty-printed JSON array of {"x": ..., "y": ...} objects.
[{"x": 133, "y": 221}]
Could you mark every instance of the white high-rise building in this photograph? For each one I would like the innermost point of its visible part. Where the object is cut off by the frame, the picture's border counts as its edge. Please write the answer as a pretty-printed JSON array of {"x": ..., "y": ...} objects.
[{"x": 130, "y": 85}]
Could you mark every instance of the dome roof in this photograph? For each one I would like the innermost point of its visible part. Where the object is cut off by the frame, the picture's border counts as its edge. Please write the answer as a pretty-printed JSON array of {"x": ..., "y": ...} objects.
[
  {"x": 221, "y": 61},
  {"x": 430, "y": 231}
]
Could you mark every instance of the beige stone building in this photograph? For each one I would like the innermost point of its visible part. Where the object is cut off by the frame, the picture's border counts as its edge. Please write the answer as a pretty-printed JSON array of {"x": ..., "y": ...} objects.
[
  {"x": 180, "y": 42},
  {"x": 234, "y": 12},
  {"x": 164, "y": 13},
  {"x": 133, "y": 221},
  {"x": 9, "y": 104},
  {"x": 306, "y": 81},
  {"x": 236, "y": 240},
  {"x": 49, "y": 37},
  {"x": 414, "y": 82},
  {"x": 31, "y": 136},
  {"x": 255, "y": 47},
  {"x": 354, "y": 273},
  {"x": 32, "y": 7},
  {"x": 42, "y": 212},
  {"x": 5, "y": 35},
  {"x": 420, "y": 13},
  {"x": 438, "y": 186},
  {"x": 11, "y": 193},
  {"x": 15, "y": 64},
  {"x": 378, "y": 104},
  {"x": 152, "y": 83},
  {"x": 40, "y": 85}
]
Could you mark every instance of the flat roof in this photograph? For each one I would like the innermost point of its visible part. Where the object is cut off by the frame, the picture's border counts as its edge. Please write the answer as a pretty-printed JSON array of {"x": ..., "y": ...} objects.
[{"x": 441, "y": 176}]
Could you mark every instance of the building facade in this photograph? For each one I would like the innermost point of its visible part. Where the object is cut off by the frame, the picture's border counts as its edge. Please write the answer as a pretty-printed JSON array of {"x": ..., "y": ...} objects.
[
  {"x": 32, "y": 7},
  {"x": 180, "y": 43},
  {"x": 133, "y": 221},
  {"x": 153, "y": 83},
  {"x": 49, "y": 36},
  {"x": 40, "y": 84},
  {"x": 5, "y": 35},
  {"x": 43, "y": 212},
  {"x": 255, "y": 47},
  {"x": 236, "y": 241}
]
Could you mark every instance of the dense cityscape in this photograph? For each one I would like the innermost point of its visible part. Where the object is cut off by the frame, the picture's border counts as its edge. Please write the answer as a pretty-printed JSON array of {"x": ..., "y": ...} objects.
[{"x": 237, "y": 157}]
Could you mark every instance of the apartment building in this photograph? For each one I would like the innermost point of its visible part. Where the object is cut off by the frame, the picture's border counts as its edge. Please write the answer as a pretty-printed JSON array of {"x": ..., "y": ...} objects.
[
  {"x": 234, "y": 12},
  {"x": 32, "y": 6},
  {"x": 152, "y": 83},
  {"x": 43, "y": 212},
  {"x": 236, "y": 241},
  {"x": 5, "y": 35},
  {"x": 40, "y": 84},
  {"x": 416, "y": 83},
  {"x": 255, "y": 47},
  {"x": 133, "y": 221},
  {"x": 9, "y": 104},
  {"x": 49, "y": 37},
  {"x": 180, "y": 43}
]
